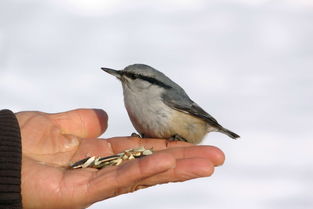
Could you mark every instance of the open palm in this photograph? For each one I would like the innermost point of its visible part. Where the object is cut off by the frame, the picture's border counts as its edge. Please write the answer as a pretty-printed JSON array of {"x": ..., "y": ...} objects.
[{"x": 51, "y": 142}]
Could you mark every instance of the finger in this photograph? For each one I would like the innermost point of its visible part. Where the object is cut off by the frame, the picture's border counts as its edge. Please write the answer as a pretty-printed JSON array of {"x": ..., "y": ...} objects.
[
  {"x": 213, "y": 154},
  {"x": 120, "y": 144},
  {"x": 180, "y": 149},
  {"x": 185, "y": 169},
  {"x": 192, "y": 162},
  {"x": 92, "y": 147},
  {"x": 85, "y": 123},
  {"x": 113, "y": 181}
]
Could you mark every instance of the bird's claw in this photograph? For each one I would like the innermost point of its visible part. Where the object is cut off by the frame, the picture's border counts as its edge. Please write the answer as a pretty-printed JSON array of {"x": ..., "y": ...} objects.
[
  {"x": 176, "y": 137},
  {"x": 137, "y": 135}
]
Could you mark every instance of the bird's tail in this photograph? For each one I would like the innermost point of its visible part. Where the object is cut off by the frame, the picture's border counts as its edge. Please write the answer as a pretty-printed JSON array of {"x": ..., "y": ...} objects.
[{"x": 228, "y": 133}]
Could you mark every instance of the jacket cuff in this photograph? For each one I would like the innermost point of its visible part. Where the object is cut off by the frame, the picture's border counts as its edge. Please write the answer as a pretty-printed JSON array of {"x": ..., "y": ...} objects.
[{"x": 10, "y": 161}]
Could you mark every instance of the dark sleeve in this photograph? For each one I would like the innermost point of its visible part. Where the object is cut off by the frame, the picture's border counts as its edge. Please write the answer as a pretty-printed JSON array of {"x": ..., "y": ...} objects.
[{"x": 10, "y": 161}]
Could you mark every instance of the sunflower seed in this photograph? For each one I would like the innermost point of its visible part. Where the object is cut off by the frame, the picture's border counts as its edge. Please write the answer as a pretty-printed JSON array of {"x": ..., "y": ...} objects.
[{"x": 112, "y": 160}]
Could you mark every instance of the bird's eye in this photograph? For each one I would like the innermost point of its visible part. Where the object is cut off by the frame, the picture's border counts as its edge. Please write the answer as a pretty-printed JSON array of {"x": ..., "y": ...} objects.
[{"x": 132, "y": 76}]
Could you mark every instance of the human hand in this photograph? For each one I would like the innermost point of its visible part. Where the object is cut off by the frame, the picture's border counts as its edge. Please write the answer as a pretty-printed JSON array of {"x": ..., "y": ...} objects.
[{"x": 51, "y": 142}]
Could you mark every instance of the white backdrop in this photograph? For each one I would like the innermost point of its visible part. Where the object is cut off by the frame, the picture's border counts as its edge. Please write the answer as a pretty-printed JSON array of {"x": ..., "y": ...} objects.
[{"x": 247, "y": 62}]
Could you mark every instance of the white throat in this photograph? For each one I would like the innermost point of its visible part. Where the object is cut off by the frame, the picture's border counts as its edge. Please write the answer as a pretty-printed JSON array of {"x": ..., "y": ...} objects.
[{"x": 146, "y": 109}]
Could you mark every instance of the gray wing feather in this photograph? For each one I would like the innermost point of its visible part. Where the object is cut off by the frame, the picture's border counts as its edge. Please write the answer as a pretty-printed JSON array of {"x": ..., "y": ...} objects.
[{"x": 179, "y": 100}]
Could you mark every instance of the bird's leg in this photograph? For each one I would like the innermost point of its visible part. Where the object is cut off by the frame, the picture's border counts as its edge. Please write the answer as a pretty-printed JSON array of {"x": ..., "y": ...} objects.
[
  {"x": 176, "y": 137},
  {"x": 137, "y": 135}
]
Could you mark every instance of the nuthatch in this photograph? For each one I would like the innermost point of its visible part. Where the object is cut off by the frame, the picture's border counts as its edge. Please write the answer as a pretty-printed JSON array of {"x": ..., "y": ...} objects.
[{"x": 160, "y": 108}]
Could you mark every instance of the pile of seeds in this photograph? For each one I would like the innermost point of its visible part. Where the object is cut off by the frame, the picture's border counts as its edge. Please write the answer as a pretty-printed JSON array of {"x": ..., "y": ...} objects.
[{"x": 112, "y": 160}]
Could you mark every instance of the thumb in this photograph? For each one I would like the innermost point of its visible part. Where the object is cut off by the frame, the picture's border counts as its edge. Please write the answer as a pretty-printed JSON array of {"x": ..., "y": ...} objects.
[{"x": 84, "y": 123}]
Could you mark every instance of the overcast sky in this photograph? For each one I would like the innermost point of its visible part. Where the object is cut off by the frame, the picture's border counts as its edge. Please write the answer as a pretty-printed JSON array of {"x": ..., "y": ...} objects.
[{"x": 249, "y": 63}]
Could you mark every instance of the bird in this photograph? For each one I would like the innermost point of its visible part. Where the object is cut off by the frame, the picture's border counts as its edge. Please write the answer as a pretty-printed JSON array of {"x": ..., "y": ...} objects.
[{"x": 159, "y": 108}]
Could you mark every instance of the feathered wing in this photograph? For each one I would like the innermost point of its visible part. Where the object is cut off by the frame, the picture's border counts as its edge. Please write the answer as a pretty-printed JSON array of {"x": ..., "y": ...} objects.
[{"x": 180, "y": 101}]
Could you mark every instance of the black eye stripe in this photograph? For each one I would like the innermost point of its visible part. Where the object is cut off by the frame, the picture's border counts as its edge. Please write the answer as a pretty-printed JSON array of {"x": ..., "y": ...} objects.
[
  {"x": 148, "y": 79},
  {"x": 130, "y": 75}
]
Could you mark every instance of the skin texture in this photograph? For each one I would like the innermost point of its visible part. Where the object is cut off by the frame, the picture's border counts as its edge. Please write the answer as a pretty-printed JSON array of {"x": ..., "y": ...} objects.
[{"x": 50, "y": 142}]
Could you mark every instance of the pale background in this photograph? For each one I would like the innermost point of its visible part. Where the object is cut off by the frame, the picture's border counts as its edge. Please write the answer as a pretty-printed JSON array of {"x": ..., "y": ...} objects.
[{"x": 249, "y": 63}]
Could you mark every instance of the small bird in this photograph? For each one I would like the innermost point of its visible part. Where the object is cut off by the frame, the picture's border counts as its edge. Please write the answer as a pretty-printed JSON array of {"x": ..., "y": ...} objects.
[{"x": 160, "y": 108}]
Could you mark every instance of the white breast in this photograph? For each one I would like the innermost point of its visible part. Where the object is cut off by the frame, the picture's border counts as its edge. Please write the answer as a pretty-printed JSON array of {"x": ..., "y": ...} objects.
[{"x": 149, "y": 115}]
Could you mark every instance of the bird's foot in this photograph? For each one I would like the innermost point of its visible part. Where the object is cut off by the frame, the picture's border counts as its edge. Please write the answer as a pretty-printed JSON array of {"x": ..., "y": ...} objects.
[
  {"x": 176, "y": 137},
  {"x": 137, "y": 135}
]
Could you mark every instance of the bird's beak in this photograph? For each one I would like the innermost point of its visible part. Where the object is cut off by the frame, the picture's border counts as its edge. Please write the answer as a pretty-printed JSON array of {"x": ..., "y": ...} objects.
[{"x": 115, "y": 73}]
